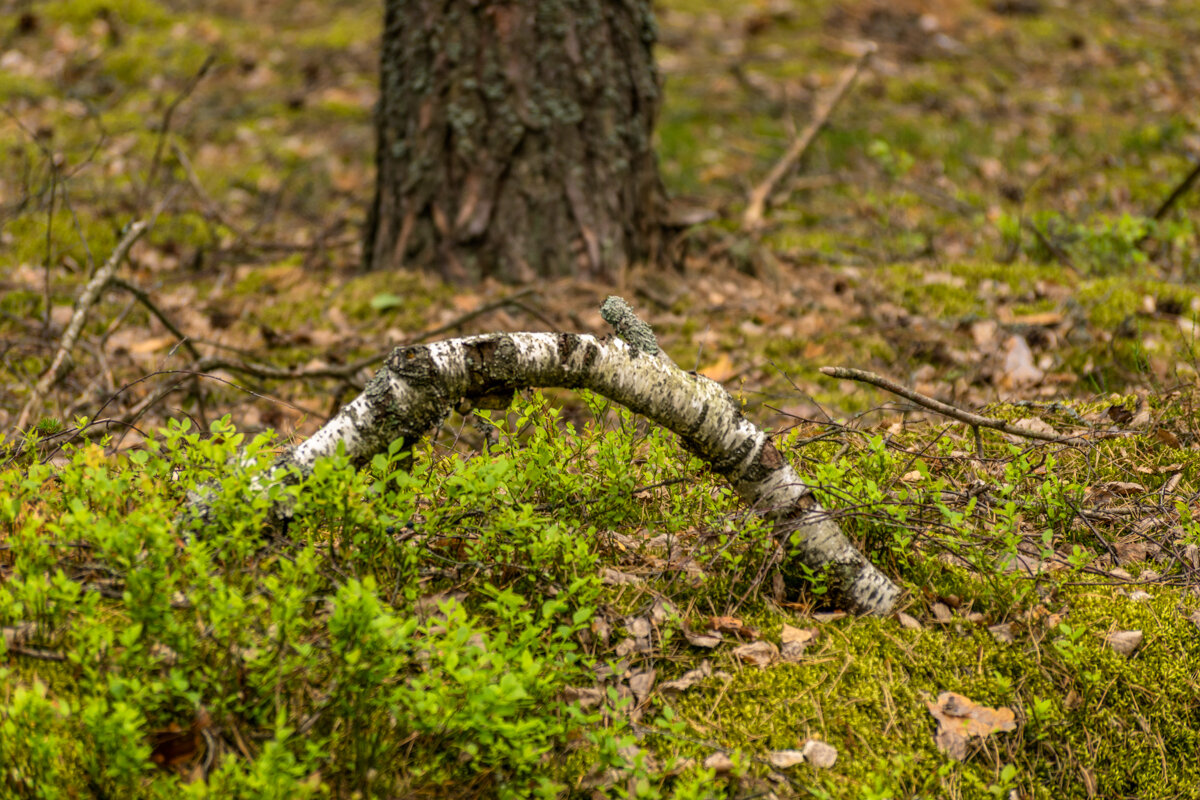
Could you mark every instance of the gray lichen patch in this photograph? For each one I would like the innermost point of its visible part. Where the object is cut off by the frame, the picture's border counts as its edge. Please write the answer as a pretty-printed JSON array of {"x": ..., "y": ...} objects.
[{"x": 619, "y": 314}]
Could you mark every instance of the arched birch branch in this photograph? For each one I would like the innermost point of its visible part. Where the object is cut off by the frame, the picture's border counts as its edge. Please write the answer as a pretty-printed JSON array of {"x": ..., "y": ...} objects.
[{"x": 417, "y": 387}]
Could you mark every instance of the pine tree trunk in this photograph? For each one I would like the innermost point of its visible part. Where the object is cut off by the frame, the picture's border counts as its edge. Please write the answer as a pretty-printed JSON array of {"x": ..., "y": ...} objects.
[{"x": 514, "y": 138}]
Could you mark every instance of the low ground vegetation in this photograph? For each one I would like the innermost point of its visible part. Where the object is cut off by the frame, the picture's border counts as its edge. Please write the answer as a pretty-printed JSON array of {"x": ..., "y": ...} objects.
[
  {"x": 570, "y": 605},
  {"x": 571, "y": 611}
]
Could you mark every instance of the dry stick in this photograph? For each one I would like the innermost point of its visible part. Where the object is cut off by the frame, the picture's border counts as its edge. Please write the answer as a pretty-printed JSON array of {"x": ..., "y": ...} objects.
[
  {"x": 144, "y": 298},
  {"x": 210, "y": 205},
  {"x": 974, "y": 420},
  {"x": 87, "y": 299},
  {"x": 1178, "y": 192},
  {"x": 166, "y": 121},
  {"x": 203, "y": 366},
  {"x": 752, "y": 218},
  {"x": 1063, "y": 257}
]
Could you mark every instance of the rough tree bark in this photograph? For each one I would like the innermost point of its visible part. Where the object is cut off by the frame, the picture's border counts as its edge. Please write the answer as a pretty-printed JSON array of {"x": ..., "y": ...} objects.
[
  {"x": 418, "y": 386},
  {"x": 514, "y": 138}
]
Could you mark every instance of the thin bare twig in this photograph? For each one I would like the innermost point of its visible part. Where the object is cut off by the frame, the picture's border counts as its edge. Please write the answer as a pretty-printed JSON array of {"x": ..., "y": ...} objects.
[
  {"x": 210, "y": 205},
  {"x": 144, "y": 298},
  {"x": 760, "y": 195},
  {"x": 1063, "y": 256},
  {"x": 1178, "y": 192},
  {"x": 165, "y": 127},
  {"x": 974, "y": 420}
]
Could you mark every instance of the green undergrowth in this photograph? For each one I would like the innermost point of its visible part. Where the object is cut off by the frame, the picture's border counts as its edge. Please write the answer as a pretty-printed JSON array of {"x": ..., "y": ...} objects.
[{"x": 434, "y": 621}]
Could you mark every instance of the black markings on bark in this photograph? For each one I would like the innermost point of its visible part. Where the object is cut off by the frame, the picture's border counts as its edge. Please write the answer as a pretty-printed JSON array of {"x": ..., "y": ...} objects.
[
  {"x": 567, "y": 345},
  {"x": 766, "y": 462},
  {"x": 732, "y": 458}
]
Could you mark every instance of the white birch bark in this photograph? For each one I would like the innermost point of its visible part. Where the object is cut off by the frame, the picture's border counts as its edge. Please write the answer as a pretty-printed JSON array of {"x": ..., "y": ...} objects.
[{"x": 417, "y": 387}]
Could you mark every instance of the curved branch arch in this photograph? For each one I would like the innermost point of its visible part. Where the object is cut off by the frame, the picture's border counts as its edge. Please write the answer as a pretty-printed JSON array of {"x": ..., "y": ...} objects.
[{"x": 418, "y": 386}]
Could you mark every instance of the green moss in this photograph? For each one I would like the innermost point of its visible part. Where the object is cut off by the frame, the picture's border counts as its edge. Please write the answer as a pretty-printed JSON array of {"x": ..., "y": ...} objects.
[
  {"x": 345, "y": 30},
  {"x": 145, "y": 55},
  {"x": 864, "y": 685},
  {"x": 145, "y": 13},
  {"x": 182, "y": 230},
  {"x": 1109, "y": 301},
  {"x": 69, "y": 237},
  {"x": 14, "y": 87},
  {"x": 939, "y": 299},
  {"x": 415, "y": 290}
]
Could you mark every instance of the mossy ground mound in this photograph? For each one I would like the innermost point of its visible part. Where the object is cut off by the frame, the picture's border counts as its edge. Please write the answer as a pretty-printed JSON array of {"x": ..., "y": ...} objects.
[{"x": 486, "y": 624}]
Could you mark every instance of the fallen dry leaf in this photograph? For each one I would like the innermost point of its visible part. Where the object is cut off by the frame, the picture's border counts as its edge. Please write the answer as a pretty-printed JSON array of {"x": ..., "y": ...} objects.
[
  {"x": 662, "y": 610},
  {"x": 721, "y": 370},
  {"x": 908, "y": 621},
  {"x": 795, "y": 640},
  {"x": 783, "y": 759},
  {"x": 760, "y": 654},
  {"x": 585, "y": 696},
  {"x": 687, "y": 680},
  {"x": 707, "y": 640},
  {"x": 1166, "y": 437},
  {"x": 1141, "y": 417},
  {"x": 639, "y": 627},
  {"x": 734, "y": 626},
  {"x": 1121, "y": 488},
  {"x": 641, "y": 683},
  {"x": 1036, "y": 425},
  {"x": 718, "y": 763},
  {"x": 820, "y": 754},
  {"x": 792, "y": 634},
  {"x": 614, "y": 577},
  {"x": 1119, "y": 414},
  {"x": 1019, "y": 370},
  {"x": 960, "y": 718},
  {"x": 1002, "y": 633},
  {"x": 1124, "y": 643},
  {"x": 941, "y": 613},
  {"x": 1131, "y": 552}
]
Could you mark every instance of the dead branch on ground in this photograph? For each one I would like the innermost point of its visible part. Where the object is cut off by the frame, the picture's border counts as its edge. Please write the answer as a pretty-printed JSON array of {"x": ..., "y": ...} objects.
[
  {"x": 418, "y": 386},
  {"x": 1179, "y": 191},
  {"x": 760, "y": 195},
  {"x": 974, "y": 420},
  {"x": 87, "y": 298}
]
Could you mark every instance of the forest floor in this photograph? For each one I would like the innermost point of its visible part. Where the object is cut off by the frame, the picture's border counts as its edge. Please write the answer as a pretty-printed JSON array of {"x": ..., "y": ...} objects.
[{"x": 989, "y": 218}]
